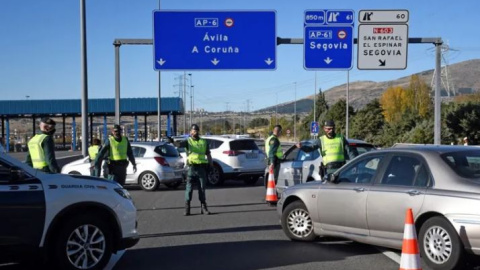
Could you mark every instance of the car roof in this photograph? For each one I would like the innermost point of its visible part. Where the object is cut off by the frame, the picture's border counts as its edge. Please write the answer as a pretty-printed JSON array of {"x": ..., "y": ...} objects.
[
  {"x": 225, "y": 138},
  {"x": 350, "y": 141},
  {"x": 148, "y": 143},
  {"x": 432, "y": 147}
]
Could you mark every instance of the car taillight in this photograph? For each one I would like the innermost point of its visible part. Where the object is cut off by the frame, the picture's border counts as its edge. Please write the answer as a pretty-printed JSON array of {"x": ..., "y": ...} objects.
[
  {"x": 162, "y": 161},
  {"x": 232, "y": 153}
]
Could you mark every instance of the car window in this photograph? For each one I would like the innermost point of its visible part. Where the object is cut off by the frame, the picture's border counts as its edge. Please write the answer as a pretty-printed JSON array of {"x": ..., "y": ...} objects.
[
  {"x": 5, "y": 175},
  {"x": 243, "y": 145},
  {"x": 361, "y": 171},
  {"x": 138, "y": 151},
  {"x": 464, "y": 163},
  {"x": 166, "y": 150},
  {"x": 402, "y": 170},
  {"x": 306, "y": 156},
  {"x": 292, "y": 154},
  {"x": 214, "y": 144}
]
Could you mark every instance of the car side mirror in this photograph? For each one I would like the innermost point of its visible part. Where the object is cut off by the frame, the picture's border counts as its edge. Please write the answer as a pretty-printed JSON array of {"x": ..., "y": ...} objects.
[
  {"x": 16, "y": 174},
  {"x": 331, "y": 177}
]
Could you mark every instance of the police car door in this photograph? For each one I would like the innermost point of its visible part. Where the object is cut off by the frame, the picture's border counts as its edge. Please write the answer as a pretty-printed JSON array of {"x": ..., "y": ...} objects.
[{"x": 22, "y": 210}]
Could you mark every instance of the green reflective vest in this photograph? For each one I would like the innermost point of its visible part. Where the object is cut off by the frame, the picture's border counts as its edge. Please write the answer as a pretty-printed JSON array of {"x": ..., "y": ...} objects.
[
  {"x": 279, "y": 153},
  {"x": 332, "y": 149},
  {"x": 196, "y": 151},
  {"x": 93, "y": 151},
  {"x": 36, "y": 151},
  {"x": 118, "y": 150}
]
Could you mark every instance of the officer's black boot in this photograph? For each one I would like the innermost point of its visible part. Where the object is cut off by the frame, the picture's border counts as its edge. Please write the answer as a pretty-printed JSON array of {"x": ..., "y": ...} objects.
[
  {"x": 187, "y": 209},
  {"x": 204, "y": 209}
]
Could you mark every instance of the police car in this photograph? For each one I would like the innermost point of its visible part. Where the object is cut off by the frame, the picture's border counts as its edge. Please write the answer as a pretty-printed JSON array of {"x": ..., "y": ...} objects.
[{"x": 71, "y": 221}]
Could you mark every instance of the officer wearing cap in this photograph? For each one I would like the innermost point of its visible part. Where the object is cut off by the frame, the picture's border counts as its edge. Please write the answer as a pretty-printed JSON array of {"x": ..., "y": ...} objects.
[
  {"x": 117, "y": 148},
  {"x": 198, "y": 160},
  {"x": 41, "y": 148},
  {"x": 333, "y": 148}
]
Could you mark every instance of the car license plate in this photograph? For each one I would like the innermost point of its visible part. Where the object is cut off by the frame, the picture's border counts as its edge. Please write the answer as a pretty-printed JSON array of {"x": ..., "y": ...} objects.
[{"x": 251, "y": 155}]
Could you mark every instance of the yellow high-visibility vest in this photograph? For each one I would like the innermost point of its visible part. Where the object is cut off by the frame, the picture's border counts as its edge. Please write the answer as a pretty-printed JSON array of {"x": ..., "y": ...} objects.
[
  {"x": 118, "y": 150},
  {"x": 332, "y": 149},
  {"x": 93, "y": 151},
  {"x": 279, "y": 152},
  {"x": 36, "y": 151},
  {"x": 196, "y": 151}
]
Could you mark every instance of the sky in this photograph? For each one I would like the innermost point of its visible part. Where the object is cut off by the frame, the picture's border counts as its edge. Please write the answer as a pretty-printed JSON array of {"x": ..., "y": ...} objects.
[{"x": 40, "y": 55}]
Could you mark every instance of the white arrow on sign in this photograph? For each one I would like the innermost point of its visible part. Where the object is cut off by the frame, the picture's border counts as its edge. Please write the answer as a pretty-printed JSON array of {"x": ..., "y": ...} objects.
[
  {"x": 215, "y": 61},
  {"x": 269, "y": 61},
  {"x": 161, "y": 61},
  {"x": 328, "y": 60}
]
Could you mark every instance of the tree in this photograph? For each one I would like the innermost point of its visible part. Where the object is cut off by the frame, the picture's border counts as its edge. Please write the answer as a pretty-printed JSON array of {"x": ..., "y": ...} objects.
[
  {"x": 417, "y": 97},
  {"x": 321, "y": 107},
  {"x": 464, "y": 120},
  {"x": 368, "y": 122},
  {"x": 338, "y": 113},
  {"x": 393, "y": 103}
]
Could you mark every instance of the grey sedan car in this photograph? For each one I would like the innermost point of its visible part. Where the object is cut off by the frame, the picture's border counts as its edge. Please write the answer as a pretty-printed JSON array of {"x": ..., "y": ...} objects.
[{"x": 366, "y": 201}]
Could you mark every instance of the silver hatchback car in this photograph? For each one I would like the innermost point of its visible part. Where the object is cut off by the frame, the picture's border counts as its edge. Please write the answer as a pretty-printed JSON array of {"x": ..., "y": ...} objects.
[
  {"x": 157, "y": 162},
  {"x": 366, "y": 201}
]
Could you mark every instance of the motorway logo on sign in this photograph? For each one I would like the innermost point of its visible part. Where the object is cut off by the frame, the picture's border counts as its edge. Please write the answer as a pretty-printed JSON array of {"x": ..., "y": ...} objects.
[
  {"x": 328, "y": 39},
  {"x": 214, "y": 40},
  {"x": 382, "y": 39}
]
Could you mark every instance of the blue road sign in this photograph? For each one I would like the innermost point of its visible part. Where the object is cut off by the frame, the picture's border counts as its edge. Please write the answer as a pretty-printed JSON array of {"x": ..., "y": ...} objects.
[
  {"x": 314, "y": 128},
  {"x": 328, "y": 39},
  {"x": 328, "y": 47},
  {"x": 214, "y": 40}
]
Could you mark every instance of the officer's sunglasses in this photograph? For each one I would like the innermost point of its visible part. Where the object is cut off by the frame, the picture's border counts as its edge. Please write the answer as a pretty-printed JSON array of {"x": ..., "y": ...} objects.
[{"x": 328, "y": 128}]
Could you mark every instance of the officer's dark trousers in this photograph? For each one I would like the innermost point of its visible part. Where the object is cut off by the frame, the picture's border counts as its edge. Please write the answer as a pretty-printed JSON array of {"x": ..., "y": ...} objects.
[
  {"x": 196, "y": 173},
  {"x": 276, "y": 171},
  {"x": 117, "y": 170}
]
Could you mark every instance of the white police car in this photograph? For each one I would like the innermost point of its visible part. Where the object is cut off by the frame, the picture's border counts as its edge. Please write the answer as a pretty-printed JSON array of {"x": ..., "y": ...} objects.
[{"x": 76, "y": 222}]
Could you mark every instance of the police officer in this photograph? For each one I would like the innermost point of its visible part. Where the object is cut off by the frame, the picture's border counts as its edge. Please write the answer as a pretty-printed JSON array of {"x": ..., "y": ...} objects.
[
  {"x": 41, "y": 148},
  {"x": 274, "y": 151},
  {"x": 118, "y": 149},
  {"x": 333, "y": 148},
  {"x": 92, "y": 154},
  {"x": 198, "y": 160}
]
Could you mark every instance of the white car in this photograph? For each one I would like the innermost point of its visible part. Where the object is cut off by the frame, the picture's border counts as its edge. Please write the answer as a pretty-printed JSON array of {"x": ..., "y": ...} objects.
[
  {"x": 157, "y": 162},
  {"x": 235, "y": 159},
  {"x": 71, "y": 221},
  {"x": 298, "y": 166}
]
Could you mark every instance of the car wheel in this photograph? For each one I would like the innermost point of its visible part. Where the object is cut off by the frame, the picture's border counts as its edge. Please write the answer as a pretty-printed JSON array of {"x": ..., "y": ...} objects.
[
  {"x": 297, "y": 223},
  {"x": 173, "y": 185},
  {"x": 440, "y": 245},
  {"x": 250, "y": 180},
  {"x": 215, "y": 176},
  {"x": 84, "y": 242},
  {"x": 148, "y": 181}
]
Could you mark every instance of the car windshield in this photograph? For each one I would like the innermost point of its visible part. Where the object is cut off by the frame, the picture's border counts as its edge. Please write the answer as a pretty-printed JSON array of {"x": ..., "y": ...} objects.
[
  {"x": 166, "y": 150},
  {"x": 464, "y": 163},
  {"x": 243, "y": 145}
]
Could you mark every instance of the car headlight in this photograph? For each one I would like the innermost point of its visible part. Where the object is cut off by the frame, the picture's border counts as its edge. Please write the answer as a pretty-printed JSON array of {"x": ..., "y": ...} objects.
[{"x": 123, "y": 192}]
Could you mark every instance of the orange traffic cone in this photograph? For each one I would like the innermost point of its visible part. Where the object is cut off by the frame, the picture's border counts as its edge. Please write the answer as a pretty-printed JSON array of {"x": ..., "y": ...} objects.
[
  {"x": 410, "y": 259},
  {"x": 271, "y": 196}
]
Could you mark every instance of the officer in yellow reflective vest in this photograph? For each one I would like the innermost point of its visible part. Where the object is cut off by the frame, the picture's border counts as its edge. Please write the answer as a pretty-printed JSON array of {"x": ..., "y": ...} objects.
[
  {"x": 274, "y": 152},
  {"x": 92, "y": 155},
  {"x": 117, "y": 148},
  {"x": 198, "y": 161},
  {"x": 333, "y": 148},
  {"x": 41, "y": 148}
]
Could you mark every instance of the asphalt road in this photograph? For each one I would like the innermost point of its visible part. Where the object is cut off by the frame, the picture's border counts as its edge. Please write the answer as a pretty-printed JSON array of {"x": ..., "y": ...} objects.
[{"x": 242, "y": 233}]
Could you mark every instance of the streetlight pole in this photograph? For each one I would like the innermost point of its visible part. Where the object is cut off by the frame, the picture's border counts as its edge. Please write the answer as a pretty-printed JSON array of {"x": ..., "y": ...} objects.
[
  {"x": 191, "y": 97},
  {"x": 295, "y": 115}
]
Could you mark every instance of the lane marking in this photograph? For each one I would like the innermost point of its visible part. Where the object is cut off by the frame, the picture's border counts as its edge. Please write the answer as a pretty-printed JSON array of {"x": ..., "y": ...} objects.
[
  {"x": 114, "y": 259},
  {"x": 394, "y": 256}
]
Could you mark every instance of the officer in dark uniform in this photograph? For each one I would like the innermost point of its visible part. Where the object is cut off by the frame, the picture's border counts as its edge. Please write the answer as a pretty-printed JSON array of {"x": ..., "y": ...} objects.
[
  {"x": 333, "y": 147},
  {"x": 41, "y": 148},
  {"x": 92, "y": 155},
  {"x": 274, "y": 151},
  {"x": 117, "y": 148},
  {"x": 198, "y": 160}
]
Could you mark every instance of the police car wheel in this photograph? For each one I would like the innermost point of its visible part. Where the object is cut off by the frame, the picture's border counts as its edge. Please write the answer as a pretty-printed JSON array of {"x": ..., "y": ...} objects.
[
  {"x": 84, "y": 242},
  {"x": 148, "y": 181}
]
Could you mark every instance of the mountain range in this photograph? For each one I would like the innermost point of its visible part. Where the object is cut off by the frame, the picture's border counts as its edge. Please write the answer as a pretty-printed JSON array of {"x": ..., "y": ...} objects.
[{"x": 464, "y": 78}]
